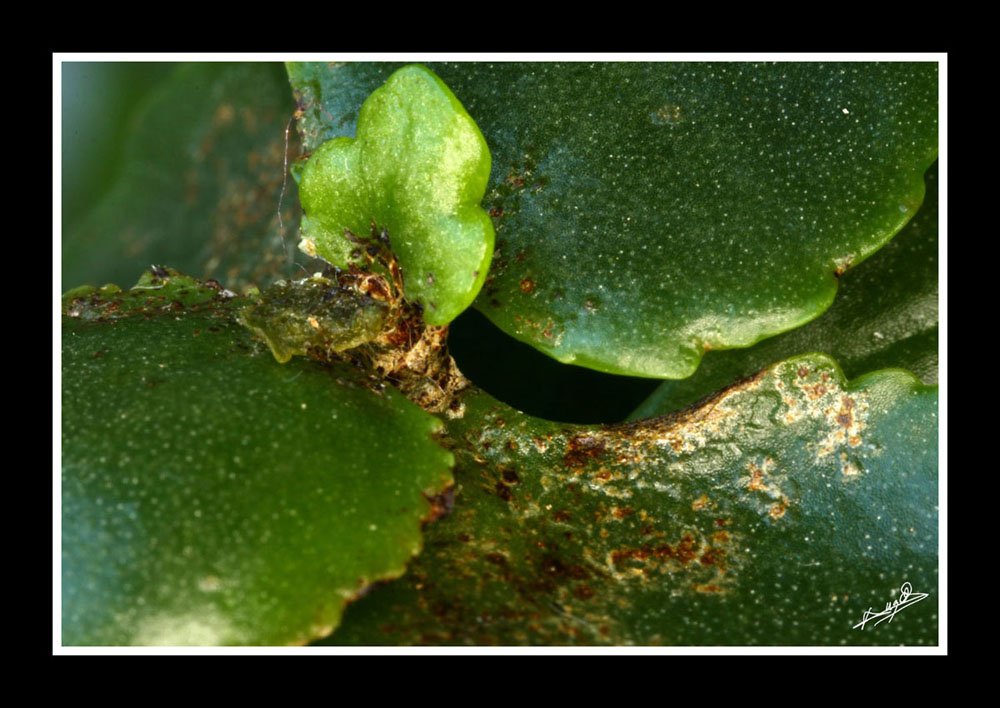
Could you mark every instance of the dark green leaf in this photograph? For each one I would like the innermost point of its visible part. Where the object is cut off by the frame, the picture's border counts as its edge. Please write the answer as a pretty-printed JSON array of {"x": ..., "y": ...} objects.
[
  {"x": 885, "y": 316},
  {"x": 213, "y": 496},
  {"x": 775, "y": 513},
  {"x": 648, "y": 212}
]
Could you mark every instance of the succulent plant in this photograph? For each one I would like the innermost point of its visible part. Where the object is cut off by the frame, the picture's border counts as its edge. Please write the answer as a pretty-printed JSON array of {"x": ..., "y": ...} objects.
[{"x": 270, "y": 446}]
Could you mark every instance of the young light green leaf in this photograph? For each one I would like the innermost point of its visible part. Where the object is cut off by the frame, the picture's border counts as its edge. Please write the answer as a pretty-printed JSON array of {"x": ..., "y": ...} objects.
[{"x": 417, "y": 169}]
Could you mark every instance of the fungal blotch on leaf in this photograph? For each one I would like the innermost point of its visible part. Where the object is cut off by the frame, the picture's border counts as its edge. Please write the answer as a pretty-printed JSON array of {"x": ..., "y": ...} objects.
[{"x": 418, "y": 169}]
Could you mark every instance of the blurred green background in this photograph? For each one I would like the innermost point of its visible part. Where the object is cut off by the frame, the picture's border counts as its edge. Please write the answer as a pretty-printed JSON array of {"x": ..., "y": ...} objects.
[
  {"x": 98, "y": 100},
  {"x": 178, "y": 164}
]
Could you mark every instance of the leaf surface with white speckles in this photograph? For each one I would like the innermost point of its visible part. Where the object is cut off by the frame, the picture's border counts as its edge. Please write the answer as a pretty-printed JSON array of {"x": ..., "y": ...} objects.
[
  {"x": 885, "y": 316},
  {"x": 646, "y": 213},
  {"x": 773, "y": 513},
  {"x": 213, "y": 496}
]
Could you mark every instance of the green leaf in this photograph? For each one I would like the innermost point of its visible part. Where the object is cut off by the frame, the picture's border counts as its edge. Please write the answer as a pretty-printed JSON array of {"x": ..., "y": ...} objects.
[
  {"x": 646, "y": 213},
  {"x": 213, "y": 496},
  {"x": 418, "y": 168},
  {"x": 775, "y": 513},
  {"x": 885, "y": 316},
  {"x": 199, "y": 185}
]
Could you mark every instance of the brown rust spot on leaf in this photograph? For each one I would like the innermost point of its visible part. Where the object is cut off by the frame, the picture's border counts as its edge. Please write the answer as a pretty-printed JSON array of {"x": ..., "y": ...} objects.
[
  {"x": 683, "y": 551},
  {"x": 845, "y": 417},
  {"x": 503, "y": 491},
  {"x": 814, "y": 391},
  {"x": 713, "y": 556},
  {"x": 847, "y": 421},
  {"x": 705, "y": 587},
  {"x": 441, "y": 504},
  {"x": 582, "y": 449},
  {"x": 510, "y": 476},
  {"x": 843, "y": 264},
  {"x": 496, "y": 559}
]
